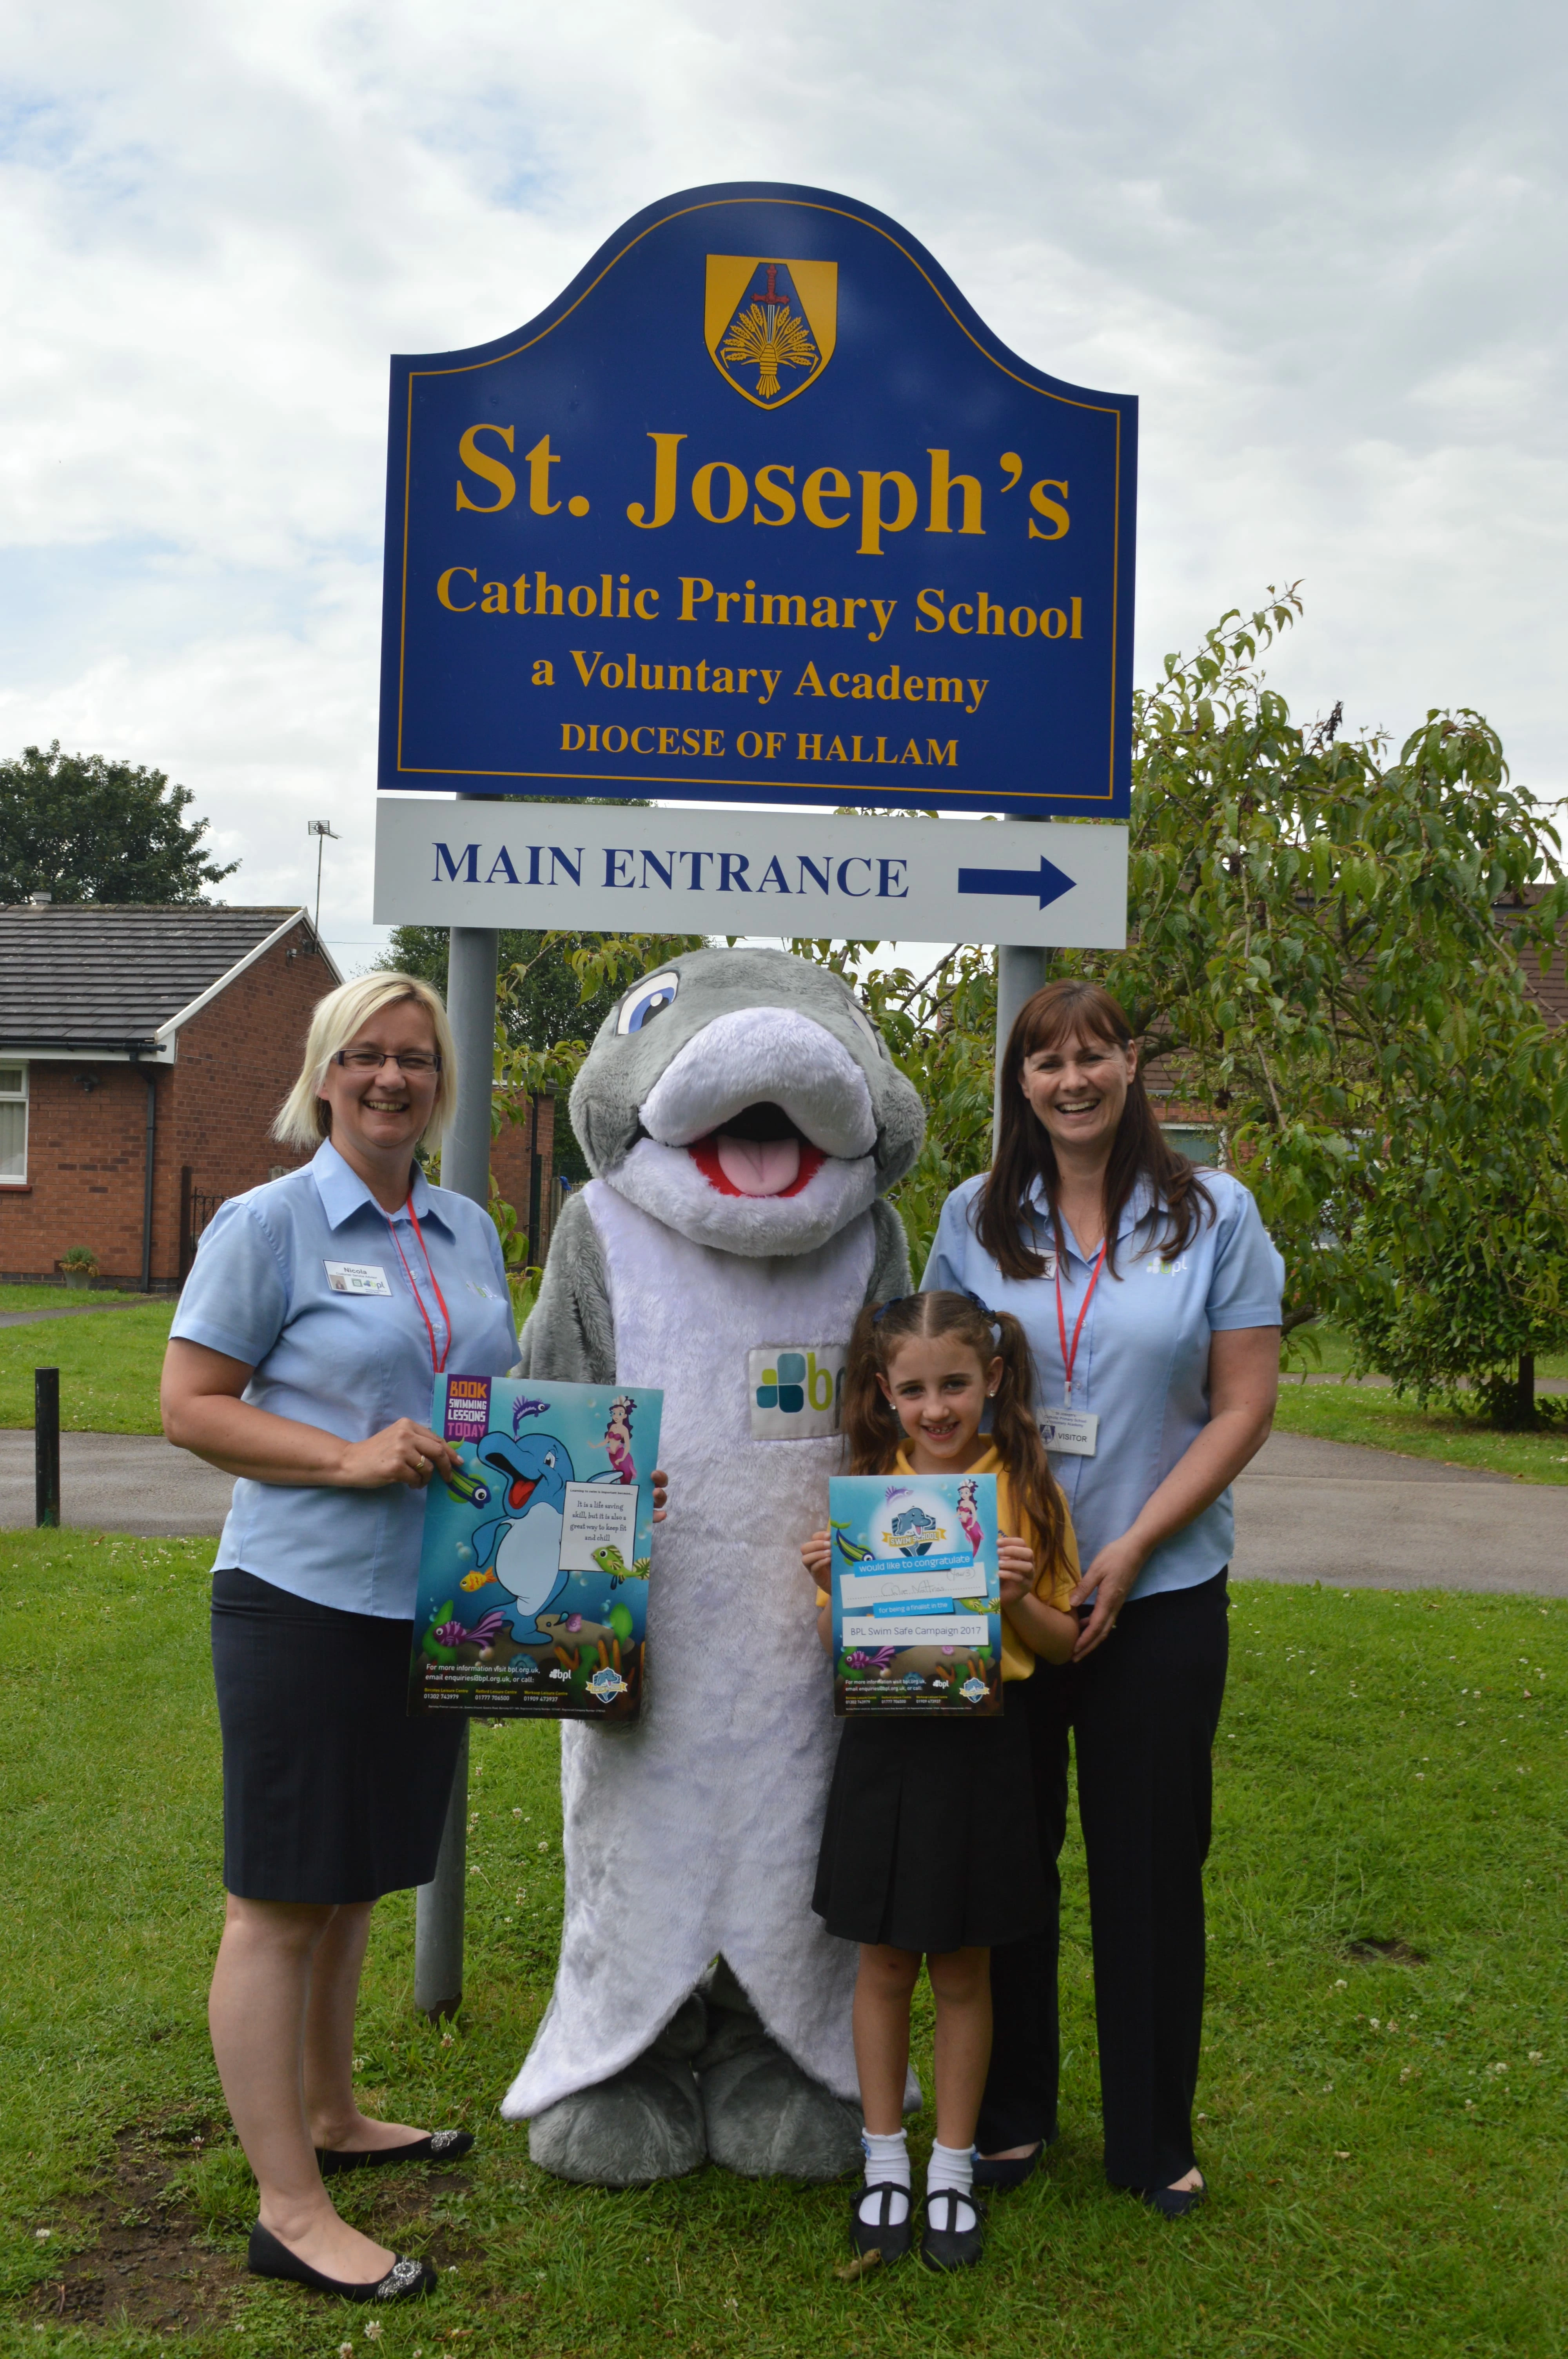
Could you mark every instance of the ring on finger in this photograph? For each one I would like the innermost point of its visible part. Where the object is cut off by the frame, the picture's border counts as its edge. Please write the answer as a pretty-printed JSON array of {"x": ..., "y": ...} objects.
[{"x": 421, "y": 1465}]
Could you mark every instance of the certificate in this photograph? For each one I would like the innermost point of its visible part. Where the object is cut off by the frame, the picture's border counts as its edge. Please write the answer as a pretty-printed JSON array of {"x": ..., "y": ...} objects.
[{"x": 916, "y": 1594}]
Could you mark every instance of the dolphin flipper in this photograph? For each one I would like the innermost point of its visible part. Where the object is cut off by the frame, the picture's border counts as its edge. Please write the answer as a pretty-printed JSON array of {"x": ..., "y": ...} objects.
[{"x": 488, "y": 1538}]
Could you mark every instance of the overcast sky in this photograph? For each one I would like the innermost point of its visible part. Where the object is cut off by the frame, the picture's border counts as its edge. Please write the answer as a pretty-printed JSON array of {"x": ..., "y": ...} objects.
[{"x": 1323, "y": 243}]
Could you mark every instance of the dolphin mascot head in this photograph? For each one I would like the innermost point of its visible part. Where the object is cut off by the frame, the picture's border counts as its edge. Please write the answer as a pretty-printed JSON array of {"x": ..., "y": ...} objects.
[{"x": 745, "y": 1099}]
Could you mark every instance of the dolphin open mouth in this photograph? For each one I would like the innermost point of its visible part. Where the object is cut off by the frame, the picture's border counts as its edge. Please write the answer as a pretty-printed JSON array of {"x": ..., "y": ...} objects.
[
  {"x": 757, "y": 1152},
  {"x": 521, "y": 1488}
]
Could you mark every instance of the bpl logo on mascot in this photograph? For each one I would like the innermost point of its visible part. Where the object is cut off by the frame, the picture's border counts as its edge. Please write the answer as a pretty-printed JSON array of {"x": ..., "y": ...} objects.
[{"x": 743, "y": 1121}]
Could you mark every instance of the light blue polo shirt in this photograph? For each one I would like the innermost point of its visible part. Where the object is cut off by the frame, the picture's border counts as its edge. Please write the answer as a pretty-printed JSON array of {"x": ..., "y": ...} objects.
[
  {"x": 1143, "y": 1358},
  {"x": 261, "y": 1292}
]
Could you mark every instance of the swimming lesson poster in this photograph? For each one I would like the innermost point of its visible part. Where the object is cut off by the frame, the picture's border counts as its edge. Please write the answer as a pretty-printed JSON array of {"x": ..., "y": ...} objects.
[
  {"x": 916, "y": 1596},
  {"x": 532, "y": 1601}
]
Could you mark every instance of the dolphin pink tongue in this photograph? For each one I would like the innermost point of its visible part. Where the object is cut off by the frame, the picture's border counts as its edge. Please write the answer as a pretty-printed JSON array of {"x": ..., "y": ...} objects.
[{"x": 758, "y": 1166}]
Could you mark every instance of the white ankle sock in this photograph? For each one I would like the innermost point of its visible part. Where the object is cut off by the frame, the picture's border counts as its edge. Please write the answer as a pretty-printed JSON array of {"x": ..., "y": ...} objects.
[
  {"x": 951, "y": 2167},
  {"x": 887, "y": 2165}
]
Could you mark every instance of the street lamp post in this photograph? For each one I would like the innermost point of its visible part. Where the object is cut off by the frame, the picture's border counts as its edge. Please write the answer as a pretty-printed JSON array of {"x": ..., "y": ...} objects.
[{"x": 322, "y": 831}]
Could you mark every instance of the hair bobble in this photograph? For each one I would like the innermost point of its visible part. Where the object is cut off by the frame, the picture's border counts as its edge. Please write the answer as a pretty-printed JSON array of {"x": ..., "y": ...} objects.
[
  {"x": 985, "y": 1310},
  {"x": 880, "y": 1313}
]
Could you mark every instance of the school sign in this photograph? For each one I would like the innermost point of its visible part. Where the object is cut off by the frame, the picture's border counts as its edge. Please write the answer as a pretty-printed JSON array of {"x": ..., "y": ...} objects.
[{"x": 759, "y": 510}]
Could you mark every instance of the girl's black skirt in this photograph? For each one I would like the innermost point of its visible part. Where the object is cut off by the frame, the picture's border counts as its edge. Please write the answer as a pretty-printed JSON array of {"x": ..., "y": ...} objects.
[
  {"x": 929, "y": 1841},
  {"x": 330, "y": 1792}
]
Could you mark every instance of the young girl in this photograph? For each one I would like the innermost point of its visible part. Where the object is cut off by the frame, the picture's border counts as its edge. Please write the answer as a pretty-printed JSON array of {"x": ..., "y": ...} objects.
[{"x": 929, "y": 1848}]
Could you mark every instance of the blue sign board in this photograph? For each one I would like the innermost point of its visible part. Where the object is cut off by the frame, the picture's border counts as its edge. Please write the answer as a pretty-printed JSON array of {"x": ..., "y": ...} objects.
[{"x": 759, "y": 510}]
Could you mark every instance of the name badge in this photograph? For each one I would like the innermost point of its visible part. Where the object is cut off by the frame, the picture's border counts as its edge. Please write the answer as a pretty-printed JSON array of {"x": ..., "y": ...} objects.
[
  {"x": 1071, "y": 1432},
  {"x": 795, "y": 1390},
  {"x": 356, "y": 1277}
]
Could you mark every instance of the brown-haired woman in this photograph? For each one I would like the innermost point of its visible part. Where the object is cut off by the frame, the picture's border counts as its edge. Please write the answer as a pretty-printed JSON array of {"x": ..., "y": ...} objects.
[
  {"x": 1150, "y": 1297},
  {"x": 928, "y": 1850}
]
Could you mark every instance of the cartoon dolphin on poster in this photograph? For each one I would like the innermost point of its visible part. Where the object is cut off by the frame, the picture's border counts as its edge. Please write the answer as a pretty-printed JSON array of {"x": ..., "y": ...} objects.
[{"x": 516, "y": 1555}]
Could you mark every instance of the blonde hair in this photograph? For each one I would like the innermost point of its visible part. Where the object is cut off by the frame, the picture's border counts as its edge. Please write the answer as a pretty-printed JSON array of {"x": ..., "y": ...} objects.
[{"x": 304, "y": 1119}]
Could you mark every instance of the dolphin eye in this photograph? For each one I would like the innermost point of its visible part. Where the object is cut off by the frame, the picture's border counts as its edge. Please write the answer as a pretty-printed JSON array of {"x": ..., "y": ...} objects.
[
  {"x": 549, "y": 1458},
  {"x": 649, "y": 999}
]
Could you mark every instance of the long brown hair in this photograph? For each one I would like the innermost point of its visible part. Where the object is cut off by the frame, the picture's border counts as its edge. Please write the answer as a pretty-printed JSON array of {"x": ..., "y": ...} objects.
[
  {"x": 1024, "y": 1153},
  {"x": 871, "y": 1427}
]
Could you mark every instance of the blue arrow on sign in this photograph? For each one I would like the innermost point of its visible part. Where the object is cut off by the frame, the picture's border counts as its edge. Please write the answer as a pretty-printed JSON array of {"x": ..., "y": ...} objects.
[{"x": 1048, "y": 883}]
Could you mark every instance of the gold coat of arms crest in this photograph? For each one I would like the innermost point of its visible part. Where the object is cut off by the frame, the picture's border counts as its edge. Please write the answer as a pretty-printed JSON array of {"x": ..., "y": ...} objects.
[{"x": 770, "y": 325}]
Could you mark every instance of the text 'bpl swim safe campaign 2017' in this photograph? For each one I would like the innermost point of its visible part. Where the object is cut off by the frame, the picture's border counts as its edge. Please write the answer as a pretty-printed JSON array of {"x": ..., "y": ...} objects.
[{"x": 759, "y": 510}]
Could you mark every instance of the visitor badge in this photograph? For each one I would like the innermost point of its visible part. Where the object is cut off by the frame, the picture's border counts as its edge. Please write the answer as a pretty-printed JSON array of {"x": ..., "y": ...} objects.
[
  {"x": 1072, "y": 1432},
  {"x": 356, "y": 1277}
]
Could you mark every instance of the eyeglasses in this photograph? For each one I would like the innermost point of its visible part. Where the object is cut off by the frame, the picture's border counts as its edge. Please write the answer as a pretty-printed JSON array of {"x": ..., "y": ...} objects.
[{"x": 370, "y": 1061}]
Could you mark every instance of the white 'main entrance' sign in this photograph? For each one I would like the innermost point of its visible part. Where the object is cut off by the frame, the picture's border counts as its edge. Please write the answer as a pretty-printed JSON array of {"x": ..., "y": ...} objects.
[{"x": 586, "y": 866}]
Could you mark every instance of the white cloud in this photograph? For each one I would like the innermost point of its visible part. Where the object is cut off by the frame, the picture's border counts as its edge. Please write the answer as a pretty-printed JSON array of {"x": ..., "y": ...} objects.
[{"x": 1318, "y": 242}]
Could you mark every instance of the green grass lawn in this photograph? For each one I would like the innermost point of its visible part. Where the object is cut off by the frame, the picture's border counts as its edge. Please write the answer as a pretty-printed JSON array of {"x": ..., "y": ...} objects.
[
  {"x": 1334, "y": 1354},
  {"x": 1351, "y": 1413},
  {"x": 49, "y": 1298},
  {"x": 108, "y": 1369},
  {"x": 1383, "y": 2138}
]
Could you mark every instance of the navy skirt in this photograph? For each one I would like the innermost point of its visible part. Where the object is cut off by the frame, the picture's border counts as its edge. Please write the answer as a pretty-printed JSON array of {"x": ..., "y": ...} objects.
[
  {"x": 332, "y": 1793},
  {"x": 929, "y": 1841}
]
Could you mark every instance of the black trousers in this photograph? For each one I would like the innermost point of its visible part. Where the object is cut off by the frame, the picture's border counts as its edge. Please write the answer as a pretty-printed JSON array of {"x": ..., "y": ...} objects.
[{"x": 1142, "y": 1710}]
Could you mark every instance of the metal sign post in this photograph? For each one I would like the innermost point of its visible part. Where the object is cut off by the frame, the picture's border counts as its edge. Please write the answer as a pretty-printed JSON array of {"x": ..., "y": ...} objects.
[{"x": 465, "y": 1166}]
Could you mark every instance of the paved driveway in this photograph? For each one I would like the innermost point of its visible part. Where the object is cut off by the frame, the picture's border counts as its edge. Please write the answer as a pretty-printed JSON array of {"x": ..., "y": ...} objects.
[
  {"x": 116, "y": 1482},
  {"x": 1354, "y": 1518},
  {"x": 1305, "y": 1510}
]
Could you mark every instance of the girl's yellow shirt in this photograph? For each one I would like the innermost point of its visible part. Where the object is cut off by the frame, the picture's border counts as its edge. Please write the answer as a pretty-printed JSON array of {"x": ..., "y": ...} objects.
[{"x": 1055, "y": 1582}]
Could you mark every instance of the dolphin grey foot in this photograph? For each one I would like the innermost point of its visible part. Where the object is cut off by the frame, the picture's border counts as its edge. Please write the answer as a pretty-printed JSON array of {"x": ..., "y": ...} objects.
[
  {"x": 765, "y": 2117},
  {"x": 644, "y": 2124}
]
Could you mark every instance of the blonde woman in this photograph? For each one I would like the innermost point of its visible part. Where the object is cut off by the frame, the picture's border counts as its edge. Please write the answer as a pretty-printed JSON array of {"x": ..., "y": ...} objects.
[{"x": 319, "y": 1310}]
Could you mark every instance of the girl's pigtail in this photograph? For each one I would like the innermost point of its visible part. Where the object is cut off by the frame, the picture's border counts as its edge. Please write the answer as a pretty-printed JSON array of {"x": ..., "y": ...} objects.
[
  {"x": 1016, "y": 1431},
  {"x": 868, "y": 1421}
]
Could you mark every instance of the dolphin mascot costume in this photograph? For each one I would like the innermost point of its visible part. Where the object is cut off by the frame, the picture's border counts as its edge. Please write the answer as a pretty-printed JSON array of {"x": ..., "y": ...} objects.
[{"x": 743, "y": 1121}]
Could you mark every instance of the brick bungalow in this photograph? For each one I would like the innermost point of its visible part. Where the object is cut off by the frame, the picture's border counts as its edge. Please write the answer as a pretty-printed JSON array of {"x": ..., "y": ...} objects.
[{"x": 144, "y": 1052}]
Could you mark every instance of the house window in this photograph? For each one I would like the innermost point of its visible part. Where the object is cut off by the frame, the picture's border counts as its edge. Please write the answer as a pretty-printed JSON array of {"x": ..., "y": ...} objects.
[
  {"x": 1200, "y": 1144},
  {"x": 13, "y": 1125}
]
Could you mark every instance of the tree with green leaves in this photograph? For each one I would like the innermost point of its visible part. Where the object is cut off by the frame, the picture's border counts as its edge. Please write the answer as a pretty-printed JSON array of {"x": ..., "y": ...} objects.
[
  {"x": 84, "y": 829},
  {"x": 1328, "y": 952}
]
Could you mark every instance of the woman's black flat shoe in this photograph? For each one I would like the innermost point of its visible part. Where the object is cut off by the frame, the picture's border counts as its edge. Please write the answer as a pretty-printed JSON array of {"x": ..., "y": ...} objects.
[
  {"x": 404, "y": 2281},
  {"x": 995, "y": 2170},
  {"x": 1174, "y": 2202},
  {"x": 441, "y": 2145},
  {"x": 946, "y": 2245},
  {"x": 884, "y": 2234}
]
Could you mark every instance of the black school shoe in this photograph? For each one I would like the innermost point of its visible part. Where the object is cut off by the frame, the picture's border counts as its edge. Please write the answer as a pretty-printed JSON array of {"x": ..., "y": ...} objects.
[
  {"x": 1172, "y": 2202},
  {"x": 892, "y": 2238},
  {"x": 406, "y": 2280},
  {"x": 441, "y": 2145},
  {"x": 946, "y": 2245},
  {"x": 994, "y": 2171}
]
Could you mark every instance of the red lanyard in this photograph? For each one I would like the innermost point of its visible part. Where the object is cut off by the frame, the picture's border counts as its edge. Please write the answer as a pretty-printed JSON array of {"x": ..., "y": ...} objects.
[
  {"x": 439, "y": 1364},
  {"x": 1069, "y": 1358}
]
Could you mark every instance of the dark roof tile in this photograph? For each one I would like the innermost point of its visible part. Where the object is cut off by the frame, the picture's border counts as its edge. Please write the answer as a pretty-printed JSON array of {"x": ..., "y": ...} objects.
[{"x": 88, "y": 974}]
